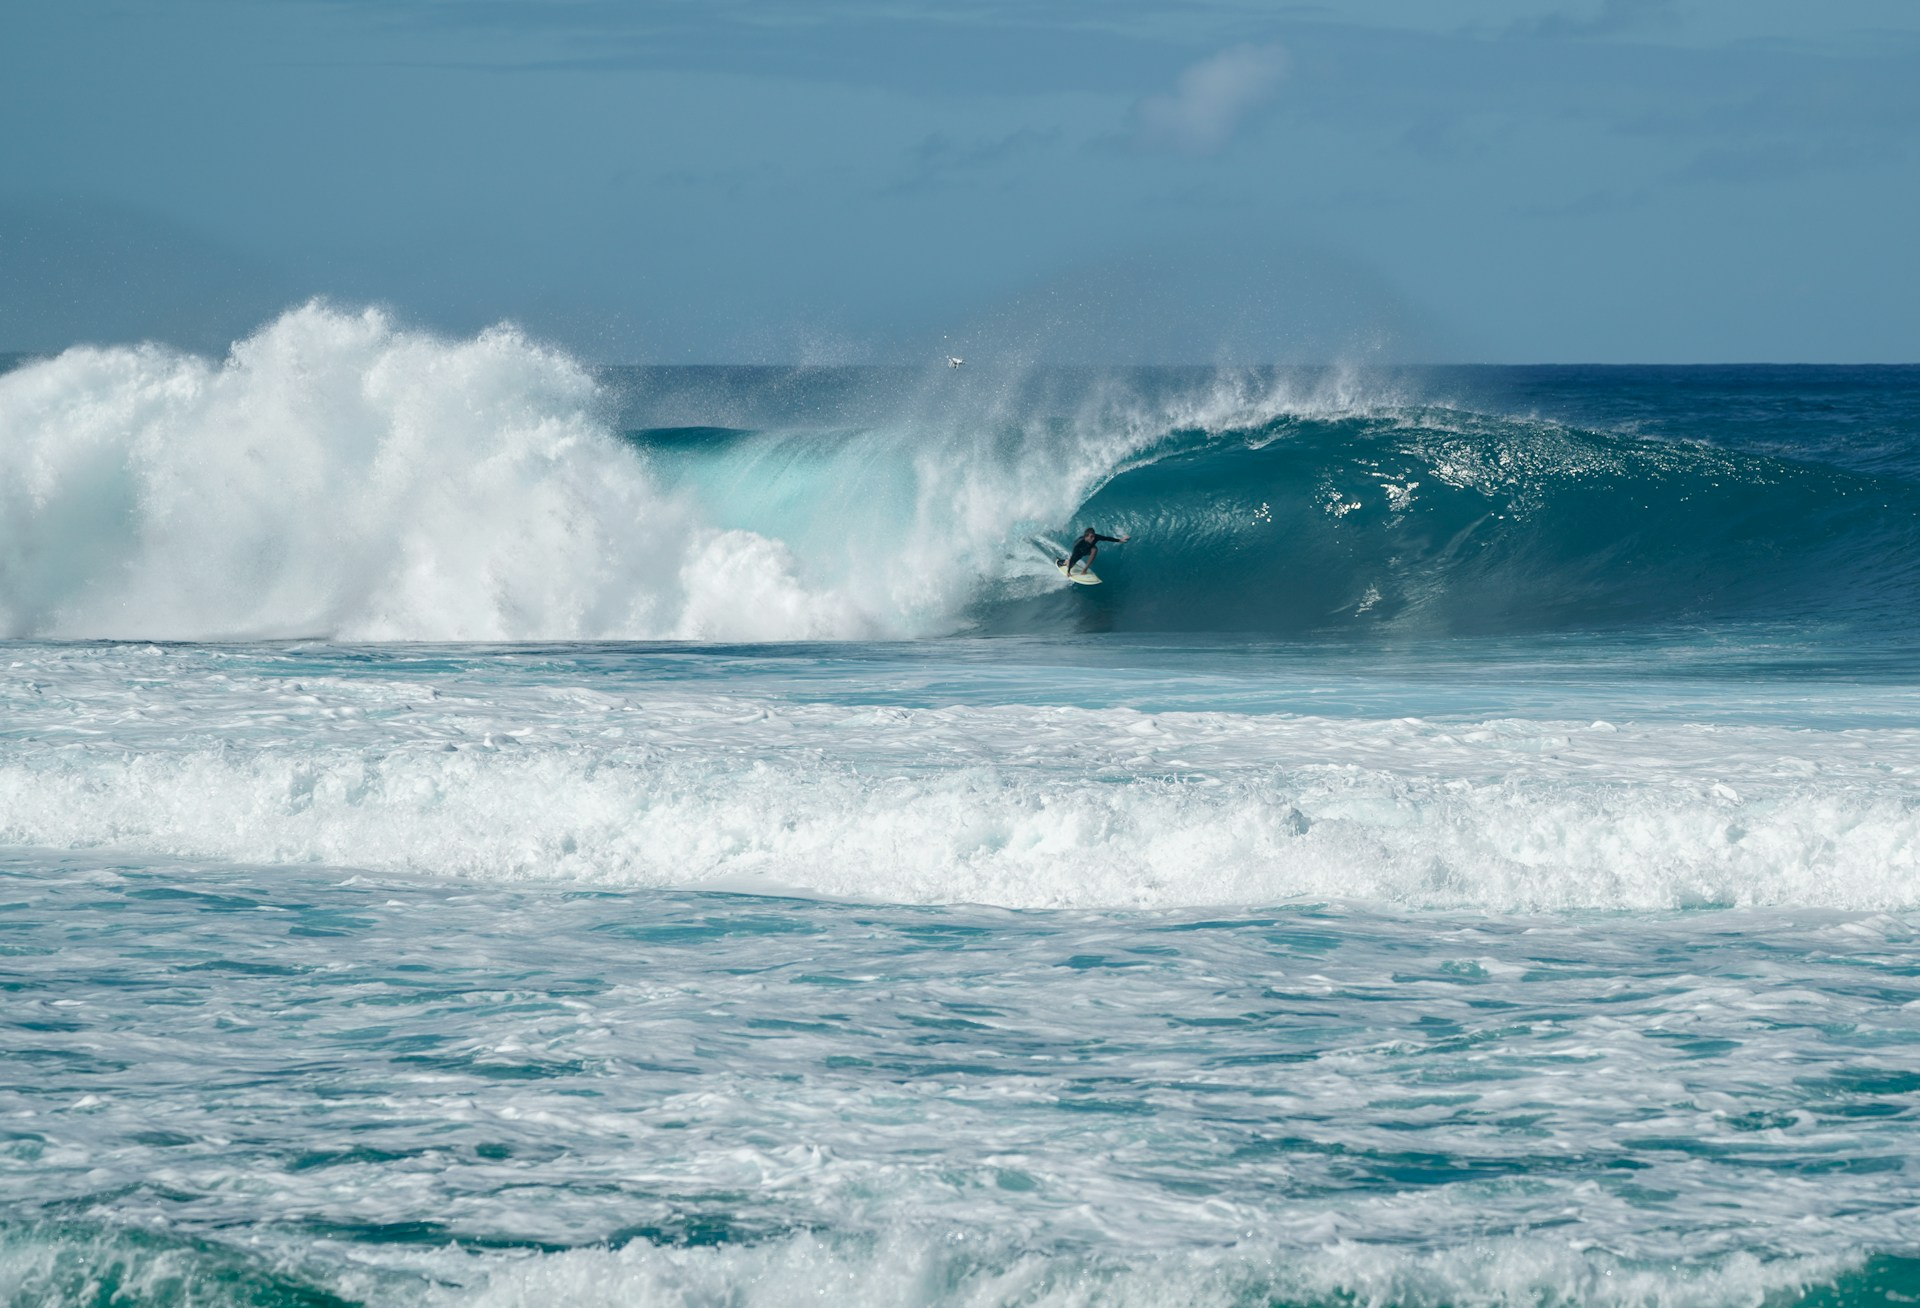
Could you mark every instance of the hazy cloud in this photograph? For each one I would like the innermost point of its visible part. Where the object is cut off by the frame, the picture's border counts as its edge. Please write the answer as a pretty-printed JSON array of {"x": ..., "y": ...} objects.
[
  {"x": 1210, "y": 99},
  {"x": 1611, "y": 19},
  {"x": 939, "y": 157},
  {"x": 1769, "y": 162}
]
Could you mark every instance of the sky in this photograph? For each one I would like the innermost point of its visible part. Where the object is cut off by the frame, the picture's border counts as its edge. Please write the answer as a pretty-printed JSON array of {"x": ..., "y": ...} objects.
[{"x": 1103, "y": 181}]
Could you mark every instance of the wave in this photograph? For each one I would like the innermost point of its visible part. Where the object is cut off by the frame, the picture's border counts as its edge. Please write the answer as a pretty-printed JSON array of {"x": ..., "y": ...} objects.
[
  {"x": 76, "y": 1265},
  {"x": 1445, "y": 522},
  {"x": 1019, "y": 807},
  {"x": 339, "y": 476}
]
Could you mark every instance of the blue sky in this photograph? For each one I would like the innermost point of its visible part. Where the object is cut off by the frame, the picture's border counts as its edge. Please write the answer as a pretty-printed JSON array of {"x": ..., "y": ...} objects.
[{"x": 1190, "y": 180}]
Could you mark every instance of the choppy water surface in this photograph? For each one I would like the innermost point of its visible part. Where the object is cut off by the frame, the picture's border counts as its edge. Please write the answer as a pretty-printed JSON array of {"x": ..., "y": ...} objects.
[
  {"x": 380, "y": 1088},
  {"x": 451, "y": 975}
]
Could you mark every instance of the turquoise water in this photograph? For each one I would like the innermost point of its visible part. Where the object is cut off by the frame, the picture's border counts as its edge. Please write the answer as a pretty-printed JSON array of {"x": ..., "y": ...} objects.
[
  {"x": 370, "y": 1087},
  {"x": 603, "y": 859}
]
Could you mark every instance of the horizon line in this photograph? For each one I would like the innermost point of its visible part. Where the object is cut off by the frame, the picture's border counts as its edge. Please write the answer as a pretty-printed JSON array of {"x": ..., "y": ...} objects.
[{"x": 26, "y": 356}]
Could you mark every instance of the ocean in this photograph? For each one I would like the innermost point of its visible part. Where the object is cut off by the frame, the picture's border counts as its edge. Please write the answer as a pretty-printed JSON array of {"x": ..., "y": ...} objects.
[{"x": 479, "y": 828}]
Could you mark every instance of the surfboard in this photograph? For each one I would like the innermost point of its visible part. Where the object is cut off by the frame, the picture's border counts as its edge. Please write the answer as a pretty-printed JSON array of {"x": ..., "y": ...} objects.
[{"x": 1056, "y": 552}]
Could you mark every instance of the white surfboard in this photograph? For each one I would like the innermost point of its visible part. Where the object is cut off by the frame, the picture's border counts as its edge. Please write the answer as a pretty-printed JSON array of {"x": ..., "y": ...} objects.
[{"x": 1056, "y": 555}]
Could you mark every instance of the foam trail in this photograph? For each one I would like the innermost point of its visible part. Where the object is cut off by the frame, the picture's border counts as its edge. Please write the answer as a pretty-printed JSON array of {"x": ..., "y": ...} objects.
[
  {"x": 983, "y": 836},
  {"x": 337, "y": 475},
  {"x": 652, "y": 785},
  {"x": 902, "y": 1271}
]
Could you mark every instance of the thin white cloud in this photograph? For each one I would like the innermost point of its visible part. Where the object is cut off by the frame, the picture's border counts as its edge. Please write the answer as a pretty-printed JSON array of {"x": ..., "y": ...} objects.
[
  {"x": 1613, "y": 18},
  {"x": 1209, "y": 100}
]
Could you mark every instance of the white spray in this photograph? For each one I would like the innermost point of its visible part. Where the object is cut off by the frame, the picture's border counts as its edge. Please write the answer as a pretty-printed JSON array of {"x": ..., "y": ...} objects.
[{"x": 338, "y": 476}]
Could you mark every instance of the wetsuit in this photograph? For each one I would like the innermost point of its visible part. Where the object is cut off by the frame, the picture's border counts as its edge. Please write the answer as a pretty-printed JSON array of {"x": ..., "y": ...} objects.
[{"x": 1082, "y": 548}]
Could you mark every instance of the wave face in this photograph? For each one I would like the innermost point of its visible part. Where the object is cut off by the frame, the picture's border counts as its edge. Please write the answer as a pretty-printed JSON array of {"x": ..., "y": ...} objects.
[
  {"x": 1434, "y": 520},
  {"x": 338, "y": 476}
]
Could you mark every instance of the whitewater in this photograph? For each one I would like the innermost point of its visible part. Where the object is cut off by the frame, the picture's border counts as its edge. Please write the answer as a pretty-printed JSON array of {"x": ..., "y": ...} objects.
[{"x": 479, "y": 828}]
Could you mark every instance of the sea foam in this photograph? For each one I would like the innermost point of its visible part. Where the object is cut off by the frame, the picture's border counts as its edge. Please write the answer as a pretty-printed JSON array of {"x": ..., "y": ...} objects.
[
  {"x": 337, "y": 475},
  {"x": 971, "y": 1271},
  {"x": 619, "y": 783}
]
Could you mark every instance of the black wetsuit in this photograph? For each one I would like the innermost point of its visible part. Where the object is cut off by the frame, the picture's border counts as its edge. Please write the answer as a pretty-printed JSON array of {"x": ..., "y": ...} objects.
[{"x": 1083, "y": 547}]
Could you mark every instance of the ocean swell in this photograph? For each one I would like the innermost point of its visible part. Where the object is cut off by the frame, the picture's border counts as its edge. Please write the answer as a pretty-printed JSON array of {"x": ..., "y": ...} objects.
[
  {"x": 337, "y": 476},
  {"x": 1434, "y": 521}
]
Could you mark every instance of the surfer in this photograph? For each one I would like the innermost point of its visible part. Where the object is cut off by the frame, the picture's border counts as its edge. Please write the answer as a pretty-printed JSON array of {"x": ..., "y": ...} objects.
[{"x": 1086, "y": 548}]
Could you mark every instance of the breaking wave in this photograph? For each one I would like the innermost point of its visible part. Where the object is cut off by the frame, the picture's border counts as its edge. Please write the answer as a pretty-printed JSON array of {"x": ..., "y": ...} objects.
[{"x": 339, "y": 476}]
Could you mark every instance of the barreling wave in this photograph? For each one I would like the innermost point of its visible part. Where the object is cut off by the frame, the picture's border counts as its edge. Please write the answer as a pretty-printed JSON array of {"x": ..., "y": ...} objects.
[
  {"x": 338, "y": 476},
  {"x": 1435, "y": 520}
]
